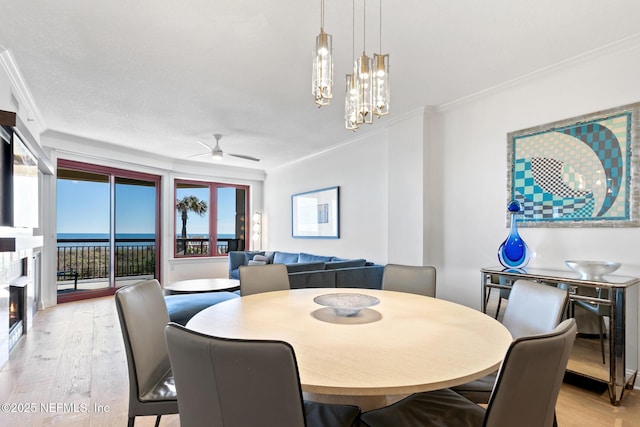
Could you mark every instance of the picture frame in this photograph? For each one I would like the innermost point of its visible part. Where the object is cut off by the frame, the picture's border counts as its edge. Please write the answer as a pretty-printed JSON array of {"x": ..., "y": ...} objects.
[
  {"x": 316, "y": 214},
  {"x": 578, "y": 172}
]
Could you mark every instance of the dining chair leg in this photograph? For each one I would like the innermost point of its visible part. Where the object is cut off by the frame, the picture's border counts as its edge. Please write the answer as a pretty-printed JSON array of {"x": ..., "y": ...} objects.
[
  {"x": 131, "y": 421},
  {"x": 158, "y": 420}
]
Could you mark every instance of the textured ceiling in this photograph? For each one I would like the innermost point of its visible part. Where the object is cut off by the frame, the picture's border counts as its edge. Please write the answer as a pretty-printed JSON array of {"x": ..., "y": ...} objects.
[{"x": 158, "y": 75}]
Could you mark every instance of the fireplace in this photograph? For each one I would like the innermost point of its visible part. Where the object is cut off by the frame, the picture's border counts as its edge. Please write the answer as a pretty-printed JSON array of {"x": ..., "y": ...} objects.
[
  {"x": 18, "y": 289},
  {"x": 16, "y": 308}
]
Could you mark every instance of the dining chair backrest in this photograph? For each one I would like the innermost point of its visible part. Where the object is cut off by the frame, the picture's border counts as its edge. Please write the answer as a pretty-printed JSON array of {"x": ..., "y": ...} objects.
[
  {"x": 411, "y": 279},
  {"x": 143, "y": 316},
  {"x": 534, "y": 308},
  {"x": 234, "y": 383},
  {"x": 255, "y": 279},
  {"x": 529, "y": 379}
]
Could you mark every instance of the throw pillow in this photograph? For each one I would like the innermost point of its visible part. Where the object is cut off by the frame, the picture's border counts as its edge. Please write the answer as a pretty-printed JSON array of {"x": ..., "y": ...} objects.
[
  {"x": 248, "y": 256},
  {"x": 263, "y": 258}
]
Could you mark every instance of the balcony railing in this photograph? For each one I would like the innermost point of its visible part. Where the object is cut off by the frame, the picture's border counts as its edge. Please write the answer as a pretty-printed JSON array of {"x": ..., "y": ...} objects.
[
  {"x": 200, "y": 246},
  {"x": 84, "y": 259},
  {"x": 89, "y": 258}
]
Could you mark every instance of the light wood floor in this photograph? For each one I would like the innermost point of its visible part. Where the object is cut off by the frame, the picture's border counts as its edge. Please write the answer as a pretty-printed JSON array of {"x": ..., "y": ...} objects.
[{"x": 70, "y": 370}]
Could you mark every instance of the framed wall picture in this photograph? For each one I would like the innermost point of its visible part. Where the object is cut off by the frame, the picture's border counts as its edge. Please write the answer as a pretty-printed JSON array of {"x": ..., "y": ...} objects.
[
  {"x": 580, "y": 172},
  {"x": 315, "y": 214}
]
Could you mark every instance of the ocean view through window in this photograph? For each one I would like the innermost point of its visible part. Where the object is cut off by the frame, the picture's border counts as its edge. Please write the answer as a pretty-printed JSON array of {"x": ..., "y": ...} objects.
[
  {"x": 107, "y": 229},
  {"x": 210, "y": 218}
]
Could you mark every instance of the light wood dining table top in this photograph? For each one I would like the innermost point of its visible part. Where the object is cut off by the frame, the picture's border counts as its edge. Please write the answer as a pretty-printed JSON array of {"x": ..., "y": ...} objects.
[{"x": 407, "y": 343}]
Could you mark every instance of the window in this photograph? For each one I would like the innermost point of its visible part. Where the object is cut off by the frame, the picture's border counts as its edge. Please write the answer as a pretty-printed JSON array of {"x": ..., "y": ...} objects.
[
  {"x": 107, "y": 229},
  {"x": 210, "y": 218}
]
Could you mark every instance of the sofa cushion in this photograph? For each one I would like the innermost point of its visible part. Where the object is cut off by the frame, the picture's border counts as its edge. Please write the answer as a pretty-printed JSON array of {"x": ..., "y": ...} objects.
[
  {"x": 285, "y": 257},
  {"x": 313, "y": 258},
  {"x": 318, "y": 279},
  {"x": 182, "y": 307},
  {"x": 345, "y": 264},
  {"x": 360, "y": 277},
  {"x": 305, "y": 266}
]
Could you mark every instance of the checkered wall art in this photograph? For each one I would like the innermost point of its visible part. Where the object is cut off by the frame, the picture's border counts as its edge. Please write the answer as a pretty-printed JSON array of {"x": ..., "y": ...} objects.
[{"x": 579, "y": 172}]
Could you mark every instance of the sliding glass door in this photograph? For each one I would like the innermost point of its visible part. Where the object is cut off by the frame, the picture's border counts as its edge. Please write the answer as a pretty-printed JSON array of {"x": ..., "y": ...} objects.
[
  {"x": 136, "y": 207},
  {"x": 108, "y": 229},
  {"x": 83, "y": 228}
]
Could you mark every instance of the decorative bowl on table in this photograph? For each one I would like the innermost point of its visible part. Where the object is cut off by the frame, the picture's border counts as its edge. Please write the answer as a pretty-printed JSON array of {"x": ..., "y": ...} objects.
[
  {"x": 593, "y": 270},
  {"x": 346, "y": 304}
]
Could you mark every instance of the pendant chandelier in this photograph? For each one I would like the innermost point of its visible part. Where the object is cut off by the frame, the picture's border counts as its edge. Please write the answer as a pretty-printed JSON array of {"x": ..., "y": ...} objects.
[
  {"x": 322, "y": 81},
  {"x": 367, "y": 89},
  {"x": 381, "y": 92}
]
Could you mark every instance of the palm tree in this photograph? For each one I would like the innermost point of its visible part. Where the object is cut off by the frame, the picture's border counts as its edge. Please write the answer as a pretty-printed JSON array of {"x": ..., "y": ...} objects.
[{"x": 186, "y": 204}]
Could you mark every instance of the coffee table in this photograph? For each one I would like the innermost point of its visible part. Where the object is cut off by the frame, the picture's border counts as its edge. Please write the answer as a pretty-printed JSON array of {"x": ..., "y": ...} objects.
[
  {"x": 407, "y": 343},
  {"x": 202, "y": 285}
]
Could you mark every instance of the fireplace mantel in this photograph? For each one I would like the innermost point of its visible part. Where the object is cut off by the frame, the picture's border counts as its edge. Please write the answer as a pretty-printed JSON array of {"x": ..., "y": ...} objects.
[{"x": 19, "y": 243}]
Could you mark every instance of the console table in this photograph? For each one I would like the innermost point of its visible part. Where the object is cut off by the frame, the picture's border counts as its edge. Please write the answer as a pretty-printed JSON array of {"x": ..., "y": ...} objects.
[{"x": 618, "y": 287}]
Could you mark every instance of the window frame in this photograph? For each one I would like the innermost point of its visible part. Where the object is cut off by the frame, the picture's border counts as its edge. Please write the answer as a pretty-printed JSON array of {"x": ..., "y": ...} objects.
[{"x": 213, "y": 215}]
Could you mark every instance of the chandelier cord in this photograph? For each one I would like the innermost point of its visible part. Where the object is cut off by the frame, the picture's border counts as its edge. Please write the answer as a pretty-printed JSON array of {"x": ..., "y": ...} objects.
[
  {"x": 381, "y": 27},
  {"x": 353, "y": 30},
  {"x": 364, "y": 26}
]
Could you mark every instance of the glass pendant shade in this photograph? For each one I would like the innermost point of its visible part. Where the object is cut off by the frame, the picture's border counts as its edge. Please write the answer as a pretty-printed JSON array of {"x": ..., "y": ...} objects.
[
  {"x": 381, "y": 92},
  {"x": 364, "y": 84},
  {"x": 322, "y": 81},
  {"x": 350, "y": 103}
]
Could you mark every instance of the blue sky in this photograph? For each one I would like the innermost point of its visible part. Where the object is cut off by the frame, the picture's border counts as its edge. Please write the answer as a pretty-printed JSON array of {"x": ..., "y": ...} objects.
[{"x": 83, "y": 207}]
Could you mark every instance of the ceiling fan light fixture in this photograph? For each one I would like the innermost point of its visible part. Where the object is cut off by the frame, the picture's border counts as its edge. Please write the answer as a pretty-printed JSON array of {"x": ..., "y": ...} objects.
[{"x": 216, "y": 154}]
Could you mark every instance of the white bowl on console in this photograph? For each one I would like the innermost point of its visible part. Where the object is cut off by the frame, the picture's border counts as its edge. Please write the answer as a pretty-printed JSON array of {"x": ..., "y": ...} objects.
[{"x": 592, "y": 270}]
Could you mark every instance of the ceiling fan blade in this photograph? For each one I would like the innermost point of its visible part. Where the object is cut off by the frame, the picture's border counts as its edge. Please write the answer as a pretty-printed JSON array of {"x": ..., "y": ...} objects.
[
  {"x": 198, "y": 155},
  {"x": 242, "y": 156},
  {"x": 204, "y": 145}
]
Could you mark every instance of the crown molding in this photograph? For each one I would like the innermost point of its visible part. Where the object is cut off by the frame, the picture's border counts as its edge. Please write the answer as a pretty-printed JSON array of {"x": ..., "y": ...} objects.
[
  {"x": 623, "y": 45},
  {"x": 20, "y": 88}
]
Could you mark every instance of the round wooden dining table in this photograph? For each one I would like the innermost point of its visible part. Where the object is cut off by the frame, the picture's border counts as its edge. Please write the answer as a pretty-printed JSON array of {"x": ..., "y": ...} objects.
[
  {"x": 194, "y": 286},
  {"x": 406, "y": 343}
]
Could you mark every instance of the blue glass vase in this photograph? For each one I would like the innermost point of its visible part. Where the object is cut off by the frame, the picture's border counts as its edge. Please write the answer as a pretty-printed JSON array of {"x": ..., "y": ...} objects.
[{"x": 513, "y": 252}]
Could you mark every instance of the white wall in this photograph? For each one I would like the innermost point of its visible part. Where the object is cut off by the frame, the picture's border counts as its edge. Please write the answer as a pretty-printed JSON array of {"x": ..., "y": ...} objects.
[
  {"x": 406, "y": 208},
  {"x": 360, "y": 170},
  {"x": 475, "y": 156},
  {"x": 475, "y": 173}
]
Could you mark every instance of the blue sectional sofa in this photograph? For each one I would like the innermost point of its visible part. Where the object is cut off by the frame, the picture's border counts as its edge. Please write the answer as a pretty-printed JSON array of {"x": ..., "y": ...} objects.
[{"x": 313, "y": 271}]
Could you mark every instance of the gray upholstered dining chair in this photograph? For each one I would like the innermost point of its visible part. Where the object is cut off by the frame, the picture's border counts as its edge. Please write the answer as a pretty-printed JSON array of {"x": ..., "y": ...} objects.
[
  {"x": 255, "y": 279},
  {"x": 143, "y": 316},
  {"x": 243, "y": 383},
  {"x": 533, "y": 308},
  {"x": 525, "y": 392},
  {"x": 411, "y": 279}
]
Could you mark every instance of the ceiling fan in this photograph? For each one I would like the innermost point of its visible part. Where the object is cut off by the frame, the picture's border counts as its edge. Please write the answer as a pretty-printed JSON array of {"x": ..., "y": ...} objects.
[{"x": 217, "y": 153}]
